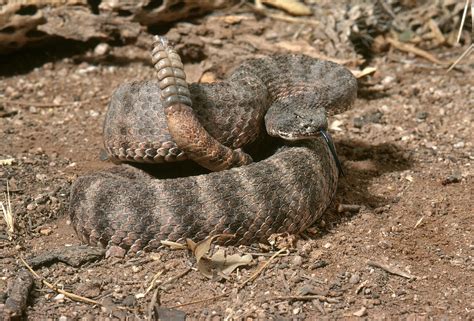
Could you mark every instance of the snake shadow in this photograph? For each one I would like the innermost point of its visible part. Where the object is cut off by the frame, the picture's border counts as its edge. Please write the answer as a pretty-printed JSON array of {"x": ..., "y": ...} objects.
[{"x": 362, "y": 164}]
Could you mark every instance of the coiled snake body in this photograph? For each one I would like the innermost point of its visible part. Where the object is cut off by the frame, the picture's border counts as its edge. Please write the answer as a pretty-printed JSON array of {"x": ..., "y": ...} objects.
[{"x": 287, "y": 96}]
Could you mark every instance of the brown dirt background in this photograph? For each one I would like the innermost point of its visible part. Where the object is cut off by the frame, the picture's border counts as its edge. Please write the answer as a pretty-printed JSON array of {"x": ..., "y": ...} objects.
[{"x": 407, "y": 148}]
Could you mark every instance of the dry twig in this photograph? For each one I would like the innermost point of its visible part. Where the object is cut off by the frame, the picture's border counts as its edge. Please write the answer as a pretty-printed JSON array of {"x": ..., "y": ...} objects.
[
  {"x": 361, "y": 286},
  {"x": 414, "y": 50},
  {"x": 70, "y": 295},
  {"x": 464, "y": 54},
  {"x": 282, "y": 17},
  {"x": 391, "y": 269},
  {"x": 304, "y": 298},
  {"x": 8, "y": 213},
  {"x": 254, "y": 276},
  {"x": 151, "y": 306},
  {"x": 418, "y": 223},
  {"x": 463, "y": 20}
]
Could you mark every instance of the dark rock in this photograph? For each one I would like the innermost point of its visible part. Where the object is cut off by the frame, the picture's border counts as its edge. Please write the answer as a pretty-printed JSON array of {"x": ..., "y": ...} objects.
[
  {"x": 319, "y": 264},
  {"x": 129, "y": 301},
  {"x": 422, "y": 115},
  {"x": 372, "y": 117},
  {"x": 451, "y": 179}
]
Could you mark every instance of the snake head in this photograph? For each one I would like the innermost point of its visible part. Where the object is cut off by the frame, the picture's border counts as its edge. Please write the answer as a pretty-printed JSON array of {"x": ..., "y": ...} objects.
[{"x": 296, "y": 118}]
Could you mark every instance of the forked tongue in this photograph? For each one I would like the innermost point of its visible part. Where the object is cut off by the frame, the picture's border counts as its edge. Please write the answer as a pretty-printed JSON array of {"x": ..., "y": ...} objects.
[{"x": 330, "y": 143}]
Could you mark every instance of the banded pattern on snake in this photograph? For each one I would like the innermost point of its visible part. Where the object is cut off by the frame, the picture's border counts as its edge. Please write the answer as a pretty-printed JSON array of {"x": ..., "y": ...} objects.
[{"x": 285, "y": 96}]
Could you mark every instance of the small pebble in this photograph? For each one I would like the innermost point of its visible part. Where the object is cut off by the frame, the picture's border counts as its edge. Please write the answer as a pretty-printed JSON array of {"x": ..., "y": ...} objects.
[
  {"x": 297, "y": 260},
  {"x": 351, "y": 208},
  {"x": 41, "y": 199},
  {"x": 136, "y": 269},
  {"x": 459, "y": 145},
  {"x": 422, "y": 115},
  {"x": 129, "y": 301},
  {"x": 372, "y": 117},
  {"x": 115, "y": 251},
  {"x": 46, "y": 230},
  {"x": 59, "y": 297},
  {"x": 101, "y": 49},
  {"x": 361, "y": 312},
  {"x": 306, "y": 249},
  {"x": 387, "y": 80},
  {"x": 41, "y": 177},
  {"x": 454, "y": 178},
  {"x": 355, "y": 278},
  {"x": 31, "y": 206},
  {"x": 319, "y": 264}
]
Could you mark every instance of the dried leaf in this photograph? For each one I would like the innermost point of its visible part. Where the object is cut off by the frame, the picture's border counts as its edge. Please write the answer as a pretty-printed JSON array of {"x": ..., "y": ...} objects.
[
  {"x": 219, "y": 264},
  {"x": 229, "y": 263},
  {"x": 222, "y": 265},
  {"x": 365, "y": 72},
  {"x": 201, "y": 248},
  {"x": 174, "y": 245},
  {"x": 293, "y": 7}
]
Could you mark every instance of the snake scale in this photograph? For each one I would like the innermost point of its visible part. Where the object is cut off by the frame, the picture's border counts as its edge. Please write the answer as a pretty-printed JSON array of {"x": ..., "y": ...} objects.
[{"x": 167, "y": 120}]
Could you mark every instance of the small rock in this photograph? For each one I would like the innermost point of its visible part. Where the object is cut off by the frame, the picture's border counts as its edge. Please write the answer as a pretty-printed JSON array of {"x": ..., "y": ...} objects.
[
  {"x": 387, "y": 80},
  {"x": 62, "y": 318},
  {"x": 136, "y": 269},
  {"x": 361, "y": 312},
  {"x": 171, "y": 314},
  {"x": 306, "y": 249},
  {"x": 31, "y": 206},
  {"x": 327, "y": 245},
  {"x": 101, "y": 49},
  {"x": 319, "y": 264},
  {"x": 41, "y": 199},
  {"x": 46, "y": 230},
  {"x": 58, "y": 100},
  {"x": 129, "y": 301},
  {"x": 261, "y": 259},
  {"x": 351, "y": 208},
  {"x": 372, "y": 117},
  {"x": 454, "y": 178},
  {"x": 89, "y": 289},
  {"x": 459, "y": 145},
  {"x": 354, "y": 279},
  {"x": 59, "y": 297},
  {"x": 309, "y": 289},
  {"x": 41, "y": 177},
  {"x": 115, "y": 251},
  {"x": 297, "y": 260},
  {"x": 422, "y": 115}
]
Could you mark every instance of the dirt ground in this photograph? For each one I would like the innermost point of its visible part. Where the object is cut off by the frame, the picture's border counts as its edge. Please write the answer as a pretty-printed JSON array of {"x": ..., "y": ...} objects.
[{"x": 407, "y": 150}]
